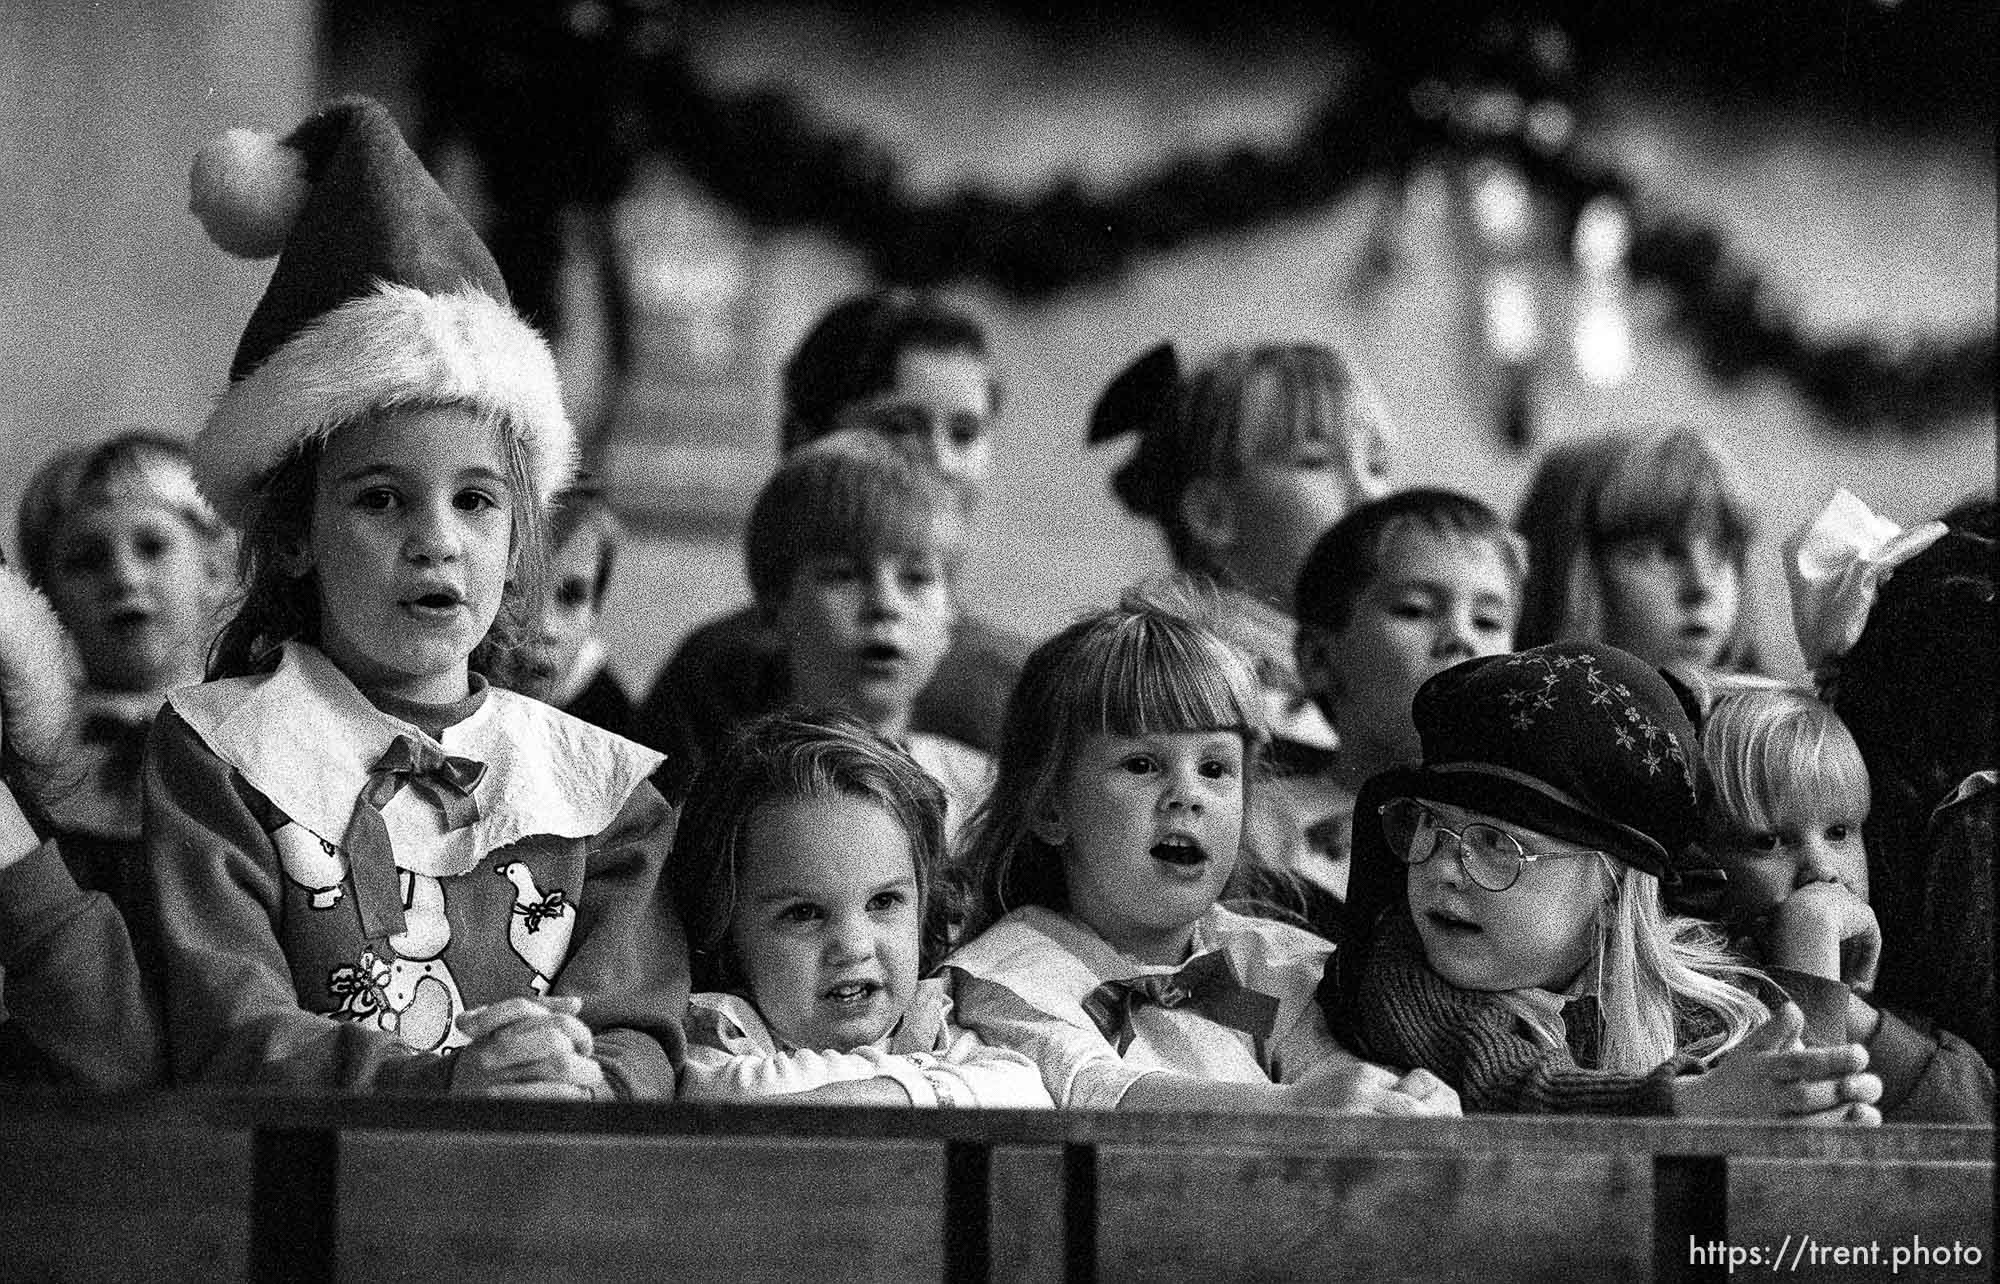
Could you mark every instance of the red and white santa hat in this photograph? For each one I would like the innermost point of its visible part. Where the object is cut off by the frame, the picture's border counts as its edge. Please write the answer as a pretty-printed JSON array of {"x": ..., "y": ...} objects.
[{"x": 383, "y": 297}]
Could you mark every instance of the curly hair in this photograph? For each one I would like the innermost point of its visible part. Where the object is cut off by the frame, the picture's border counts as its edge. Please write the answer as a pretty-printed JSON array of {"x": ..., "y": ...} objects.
[{"x": 787, "y": 756}]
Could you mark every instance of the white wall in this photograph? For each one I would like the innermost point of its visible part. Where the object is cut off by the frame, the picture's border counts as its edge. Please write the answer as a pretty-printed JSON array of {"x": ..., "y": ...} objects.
[{"x": 115, "y": 310}]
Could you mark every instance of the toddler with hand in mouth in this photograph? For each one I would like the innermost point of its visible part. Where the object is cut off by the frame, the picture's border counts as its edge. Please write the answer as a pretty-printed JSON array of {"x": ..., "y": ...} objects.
[
  {"x": 1787, "y": 795},
  {"x": 808, "y": 874},
  {"x": 1096, "y": 943},
  {"x": 1514, "y": 935}
]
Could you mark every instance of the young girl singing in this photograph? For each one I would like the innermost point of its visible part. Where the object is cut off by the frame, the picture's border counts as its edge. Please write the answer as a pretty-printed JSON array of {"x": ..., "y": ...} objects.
[
  {"x": 808, "y": 874},
  {"x": 1787, "y": 794},
  {"x": 1096, "y": 944},
  {"x": 363, "y": 855},
  {"x": 1528, "y": 960}
]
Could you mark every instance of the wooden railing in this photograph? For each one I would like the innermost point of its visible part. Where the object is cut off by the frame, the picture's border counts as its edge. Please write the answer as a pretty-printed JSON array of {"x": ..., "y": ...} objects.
[{"x": 187, "y": 1186}]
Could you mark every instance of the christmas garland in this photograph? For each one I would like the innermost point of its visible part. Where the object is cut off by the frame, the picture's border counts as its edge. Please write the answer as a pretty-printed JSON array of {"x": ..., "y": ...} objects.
[{"x": 778, "y": 165}]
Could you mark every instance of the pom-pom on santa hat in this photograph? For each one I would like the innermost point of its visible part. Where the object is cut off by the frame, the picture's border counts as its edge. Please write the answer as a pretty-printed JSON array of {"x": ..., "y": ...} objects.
[{"x": 383, "y": 297}]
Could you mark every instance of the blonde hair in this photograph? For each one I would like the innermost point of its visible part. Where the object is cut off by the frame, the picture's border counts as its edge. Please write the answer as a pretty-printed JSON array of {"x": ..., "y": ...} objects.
[
  {"x": 1151, "y": 664},
  {"x": 851, "y": 493},
  {"x": 1660, "y": 482},
  {"x": 1651, "y": 968},
  {"x": 1764, "y": 744}
]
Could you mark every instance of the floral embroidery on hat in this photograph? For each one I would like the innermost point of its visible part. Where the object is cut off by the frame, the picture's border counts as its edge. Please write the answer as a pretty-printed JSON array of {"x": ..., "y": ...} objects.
[{"x": 1638, "y": 734}]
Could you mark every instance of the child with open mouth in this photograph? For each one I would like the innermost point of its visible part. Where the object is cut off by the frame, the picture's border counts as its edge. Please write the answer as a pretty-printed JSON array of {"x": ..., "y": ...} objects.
[
  {"x": 371, "y": 869},
  {"x": 1515, "y": 940},
  {"x": 1097, "y": 943},
  {"x": 808, "y": 874},
  {"x": 853, "y": 550}
]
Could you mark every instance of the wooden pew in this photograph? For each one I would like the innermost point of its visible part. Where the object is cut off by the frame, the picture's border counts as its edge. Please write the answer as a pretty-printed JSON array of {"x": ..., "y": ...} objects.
[{"x": 188, "y": 1186}]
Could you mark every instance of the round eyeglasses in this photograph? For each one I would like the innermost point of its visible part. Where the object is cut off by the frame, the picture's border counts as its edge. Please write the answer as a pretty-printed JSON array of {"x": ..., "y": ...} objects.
[{"x": 1490, "y": 856}]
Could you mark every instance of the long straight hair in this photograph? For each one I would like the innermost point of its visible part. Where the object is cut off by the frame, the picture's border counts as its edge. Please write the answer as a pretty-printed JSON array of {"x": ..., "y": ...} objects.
[
  {"x": 1671, "y": 483},
  {"x": 1651, "y": 968}
]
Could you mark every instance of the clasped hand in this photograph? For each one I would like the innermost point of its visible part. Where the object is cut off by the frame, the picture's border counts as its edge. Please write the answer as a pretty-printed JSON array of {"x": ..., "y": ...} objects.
[
  {"x": 1363, "y": 1088},
  {"x": 1773, "y": 1075},
  {"x": 527, "y": 1047}
]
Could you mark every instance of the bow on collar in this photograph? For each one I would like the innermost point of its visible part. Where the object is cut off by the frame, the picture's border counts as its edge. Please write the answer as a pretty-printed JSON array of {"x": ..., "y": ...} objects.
[
  {"x": 446, "y": 782},
  {"x": 1205, "y": 984}
]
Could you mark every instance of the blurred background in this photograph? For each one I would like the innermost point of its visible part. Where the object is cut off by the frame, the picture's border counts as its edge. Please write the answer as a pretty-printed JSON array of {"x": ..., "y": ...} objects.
[{"x": 1771, "y": 218}]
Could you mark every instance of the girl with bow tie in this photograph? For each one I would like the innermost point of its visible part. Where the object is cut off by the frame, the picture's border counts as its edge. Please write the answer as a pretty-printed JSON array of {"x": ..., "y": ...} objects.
[
  {"x": 1096, "y": 943},
  {"x": 372, "y": 870}
]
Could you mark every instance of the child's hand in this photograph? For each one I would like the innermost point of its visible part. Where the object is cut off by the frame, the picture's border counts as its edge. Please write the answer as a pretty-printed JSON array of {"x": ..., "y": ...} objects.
[
  {"x": 1433, "y": 1095},
  {"x": 1773, "y": 1075},
  {"x": 527, "y": 1048},
  {"x": 1363, "y": 1088},
  {"x": 1826, "y": 930}
]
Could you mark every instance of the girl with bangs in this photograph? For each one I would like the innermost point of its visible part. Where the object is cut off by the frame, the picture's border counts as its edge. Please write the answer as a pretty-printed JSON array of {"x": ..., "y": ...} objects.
[
  {"x": 1243, "y": 462},
  {"x": 1097, "y": 945},
  {"x": 1640, "y": 540},
  {"x": 1786, "y": 798},
  {"x": 372, "y": 869}
]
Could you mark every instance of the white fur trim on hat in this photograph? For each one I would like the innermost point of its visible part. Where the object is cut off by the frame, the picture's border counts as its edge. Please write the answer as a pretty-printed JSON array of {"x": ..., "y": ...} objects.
[
  {"x": 35, "y": 691},
  {"x": 394, "y": 347}
]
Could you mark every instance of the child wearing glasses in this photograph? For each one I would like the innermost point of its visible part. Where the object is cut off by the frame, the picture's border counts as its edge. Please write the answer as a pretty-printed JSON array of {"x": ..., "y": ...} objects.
[{"x": 1528, "y": 958}]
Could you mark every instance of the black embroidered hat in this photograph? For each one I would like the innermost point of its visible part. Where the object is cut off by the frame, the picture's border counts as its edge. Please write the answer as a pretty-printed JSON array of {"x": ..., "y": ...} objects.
[{"x": 1577, "y": 740}]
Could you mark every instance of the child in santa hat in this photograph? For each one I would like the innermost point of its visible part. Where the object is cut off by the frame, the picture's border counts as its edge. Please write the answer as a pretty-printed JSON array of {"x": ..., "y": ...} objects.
[{"x": 373, "y": 870}]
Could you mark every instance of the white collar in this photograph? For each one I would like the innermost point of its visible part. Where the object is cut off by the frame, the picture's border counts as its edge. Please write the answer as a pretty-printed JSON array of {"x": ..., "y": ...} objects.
[
  {"x": 1053, "y": 962},
  {"x": 304, "y": 736}
]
